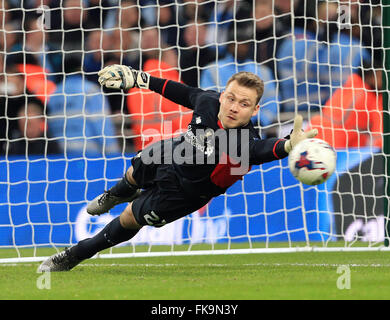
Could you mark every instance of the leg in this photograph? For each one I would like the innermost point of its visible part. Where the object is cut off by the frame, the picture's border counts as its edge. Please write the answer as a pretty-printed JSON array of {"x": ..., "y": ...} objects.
[
  {"x": 126, "y": 190},
  {"x": 120, "y": 229},
  {"x": 127, "y": 218},
  {"x": 129, "y": 176}
]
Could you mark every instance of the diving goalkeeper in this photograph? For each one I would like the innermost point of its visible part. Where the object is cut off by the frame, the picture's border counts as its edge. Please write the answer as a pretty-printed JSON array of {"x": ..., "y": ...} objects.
[{"x": 174, "y": 177}]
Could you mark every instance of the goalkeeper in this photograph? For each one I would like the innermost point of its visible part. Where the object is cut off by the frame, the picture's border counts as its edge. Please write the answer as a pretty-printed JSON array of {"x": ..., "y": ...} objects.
[{"x": 172, "y": 178}]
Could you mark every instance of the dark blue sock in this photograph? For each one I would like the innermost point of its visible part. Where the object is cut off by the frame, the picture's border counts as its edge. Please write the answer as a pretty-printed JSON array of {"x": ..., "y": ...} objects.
[{"x": 112, "y": 234}]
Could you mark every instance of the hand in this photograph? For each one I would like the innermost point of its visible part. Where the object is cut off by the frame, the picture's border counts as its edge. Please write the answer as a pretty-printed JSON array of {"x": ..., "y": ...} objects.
[
  {"x": 297, "y": 135},
  {"x": 123, "y": 77}
]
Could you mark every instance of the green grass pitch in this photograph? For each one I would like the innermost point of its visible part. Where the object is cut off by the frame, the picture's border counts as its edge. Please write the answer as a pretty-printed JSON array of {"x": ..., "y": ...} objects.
[{"x": 304, "y": 275}]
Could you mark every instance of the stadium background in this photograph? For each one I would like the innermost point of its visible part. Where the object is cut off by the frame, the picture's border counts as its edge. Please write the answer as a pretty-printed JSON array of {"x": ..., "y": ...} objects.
[{"x": 43, "y": 196}]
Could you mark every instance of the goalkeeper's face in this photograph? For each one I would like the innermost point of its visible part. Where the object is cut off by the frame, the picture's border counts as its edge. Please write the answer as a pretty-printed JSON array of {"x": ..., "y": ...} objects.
[{"x": 237, "y": 105}]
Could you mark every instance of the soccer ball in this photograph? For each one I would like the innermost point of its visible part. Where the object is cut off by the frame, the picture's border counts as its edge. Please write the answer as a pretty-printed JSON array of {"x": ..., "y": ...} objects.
[{"x": 312, "y": 161}]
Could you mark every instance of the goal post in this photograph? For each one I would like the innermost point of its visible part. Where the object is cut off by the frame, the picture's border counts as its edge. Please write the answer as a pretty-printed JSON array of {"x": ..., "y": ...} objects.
[
  {"x": 64, "y": 139},
  {"x": 386, "y": 113}
]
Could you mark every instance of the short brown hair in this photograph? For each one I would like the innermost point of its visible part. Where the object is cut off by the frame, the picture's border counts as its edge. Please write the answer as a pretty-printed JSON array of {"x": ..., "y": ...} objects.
[{"x": 249, "y": 80}]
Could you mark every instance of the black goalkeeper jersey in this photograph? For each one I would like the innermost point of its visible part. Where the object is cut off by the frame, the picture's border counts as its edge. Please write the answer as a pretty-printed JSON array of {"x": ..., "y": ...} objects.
[{"x": 207, "y": 159}]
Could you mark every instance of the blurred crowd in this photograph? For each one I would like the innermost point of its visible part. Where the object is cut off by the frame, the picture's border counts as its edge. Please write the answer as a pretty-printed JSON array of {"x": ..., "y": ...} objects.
[{"x": 315, "y": 57}]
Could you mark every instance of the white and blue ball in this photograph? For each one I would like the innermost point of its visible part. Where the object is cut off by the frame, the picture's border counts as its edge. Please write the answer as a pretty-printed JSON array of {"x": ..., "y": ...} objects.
[{"x": 312, "y": 161}]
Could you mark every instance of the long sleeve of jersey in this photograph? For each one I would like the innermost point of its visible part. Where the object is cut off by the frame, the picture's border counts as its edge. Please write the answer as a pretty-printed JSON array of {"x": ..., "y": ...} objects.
[
  {"x": 266, "y": 150},
  {"x": 174, "y": 91}
]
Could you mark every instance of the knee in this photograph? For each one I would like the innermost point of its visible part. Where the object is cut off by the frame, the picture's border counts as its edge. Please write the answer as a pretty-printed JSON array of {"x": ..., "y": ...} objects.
[
  {"x": 127, "y": 218},
  {"x": 129, "y": 176}
]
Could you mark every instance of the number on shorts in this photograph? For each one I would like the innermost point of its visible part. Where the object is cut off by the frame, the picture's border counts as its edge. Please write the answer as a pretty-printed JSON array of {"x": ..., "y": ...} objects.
[{"x": 154, "y": 220}]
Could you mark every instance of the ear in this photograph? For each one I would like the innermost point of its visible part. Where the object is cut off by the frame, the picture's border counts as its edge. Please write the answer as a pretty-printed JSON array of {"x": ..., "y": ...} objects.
[
  {"x": 220, "y": 96},
  {"x": 256, "y": 110}
]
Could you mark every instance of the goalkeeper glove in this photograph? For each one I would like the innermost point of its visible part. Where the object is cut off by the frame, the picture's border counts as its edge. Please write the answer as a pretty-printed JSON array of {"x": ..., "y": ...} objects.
[
  {"x": 123, "y": 77},
  {"x": 297, "y": 135}
]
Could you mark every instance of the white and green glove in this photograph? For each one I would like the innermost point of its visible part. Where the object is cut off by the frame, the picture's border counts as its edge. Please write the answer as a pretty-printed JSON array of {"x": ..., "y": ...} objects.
[
  {"x": 297, "y": 135},
  {"x": 123, "y": 77}
]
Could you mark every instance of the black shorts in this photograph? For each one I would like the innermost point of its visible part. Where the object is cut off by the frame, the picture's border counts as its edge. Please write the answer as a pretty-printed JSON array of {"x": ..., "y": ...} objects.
[{"x": 162, "y": 199}]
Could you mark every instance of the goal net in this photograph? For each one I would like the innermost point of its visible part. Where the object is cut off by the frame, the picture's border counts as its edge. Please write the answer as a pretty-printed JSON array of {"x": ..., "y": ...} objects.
[{"x": 64, "y": 139}]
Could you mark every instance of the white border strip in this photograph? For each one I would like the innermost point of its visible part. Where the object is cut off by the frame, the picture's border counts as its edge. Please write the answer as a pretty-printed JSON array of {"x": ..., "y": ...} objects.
[{"x": 210, "y": 252}]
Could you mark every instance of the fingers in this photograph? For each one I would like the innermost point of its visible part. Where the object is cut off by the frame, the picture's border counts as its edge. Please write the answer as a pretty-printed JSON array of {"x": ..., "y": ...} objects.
[
  {"x": 102, "y": 80},
  {"x": 311, "y": 133},
  {"x": 104, "y": 76},
  {"x": 111, "y": 68},
  {"x": 104, "y": 70},
  {"x": 107, "y": 77},
  {"x": 113, "y": 84},
  {"x": 108, "y": 73},
  {"x": 298, "y": 120},
  {"x": 121, "y": 77}
]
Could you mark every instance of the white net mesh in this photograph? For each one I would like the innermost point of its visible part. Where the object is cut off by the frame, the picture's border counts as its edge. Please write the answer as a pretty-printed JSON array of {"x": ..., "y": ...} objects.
[{"x": 63, "y": 139}]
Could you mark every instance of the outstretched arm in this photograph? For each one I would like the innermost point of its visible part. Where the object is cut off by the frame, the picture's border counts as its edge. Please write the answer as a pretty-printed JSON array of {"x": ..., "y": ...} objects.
[
  {"x": 125, "y": 78},
  {"x": 175, "y": 91},
  {"x": 273, "y": 149}
]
